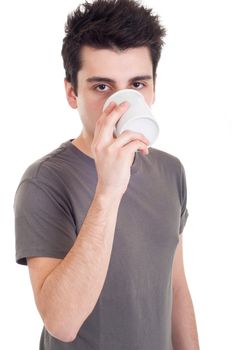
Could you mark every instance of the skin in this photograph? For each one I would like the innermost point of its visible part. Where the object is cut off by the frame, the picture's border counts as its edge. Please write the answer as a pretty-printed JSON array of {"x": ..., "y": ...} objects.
[
  {"x": 59, "y": 297},
  {"x": 121, "y": 67}
]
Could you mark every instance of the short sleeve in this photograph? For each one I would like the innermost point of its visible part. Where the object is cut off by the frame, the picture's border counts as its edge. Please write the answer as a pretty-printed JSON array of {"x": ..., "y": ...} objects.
[
  {"x": 183, "y": 200},
  {"x": 43, "y": 224}
]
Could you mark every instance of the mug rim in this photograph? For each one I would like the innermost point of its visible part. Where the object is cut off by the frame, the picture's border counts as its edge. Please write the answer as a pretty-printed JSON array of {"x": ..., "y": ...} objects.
[{"x": 122, "y": 91}]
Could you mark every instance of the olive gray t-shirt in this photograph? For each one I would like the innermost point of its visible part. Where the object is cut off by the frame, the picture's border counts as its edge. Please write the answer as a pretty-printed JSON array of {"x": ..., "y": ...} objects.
[{"x": 134, "y": 308}]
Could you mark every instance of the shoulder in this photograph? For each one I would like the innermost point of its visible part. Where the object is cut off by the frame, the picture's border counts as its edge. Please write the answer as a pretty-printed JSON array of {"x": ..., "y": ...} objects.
[
  {"x": 42, "y": 182},
  {"x": 165, "y": 160},
  {"x": 44, "y": 177},
  {"x": 47, "y": 164}
]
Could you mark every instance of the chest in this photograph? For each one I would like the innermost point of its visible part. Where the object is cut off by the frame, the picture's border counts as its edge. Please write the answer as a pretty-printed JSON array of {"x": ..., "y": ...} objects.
[{"x": 145, "y": 240}]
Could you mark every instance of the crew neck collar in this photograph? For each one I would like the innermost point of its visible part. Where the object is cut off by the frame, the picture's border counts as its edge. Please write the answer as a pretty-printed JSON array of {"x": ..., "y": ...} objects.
[{"x": 91, "y": 161}]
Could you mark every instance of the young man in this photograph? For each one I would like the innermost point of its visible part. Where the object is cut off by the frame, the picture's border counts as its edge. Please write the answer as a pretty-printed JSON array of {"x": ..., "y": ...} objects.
[{"x": 98, "y": 224}]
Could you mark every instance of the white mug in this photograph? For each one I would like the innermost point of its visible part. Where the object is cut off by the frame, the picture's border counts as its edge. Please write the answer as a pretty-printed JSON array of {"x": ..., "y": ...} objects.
[{"x": 138, "y": 117}]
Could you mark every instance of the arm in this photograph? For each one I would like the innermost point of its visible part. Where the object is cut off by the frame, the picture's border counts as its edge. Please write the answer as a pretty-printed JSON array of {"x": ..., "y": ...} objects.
[
  {"x": 67, "y": 290},
  {"x": 184, "y": 328}
]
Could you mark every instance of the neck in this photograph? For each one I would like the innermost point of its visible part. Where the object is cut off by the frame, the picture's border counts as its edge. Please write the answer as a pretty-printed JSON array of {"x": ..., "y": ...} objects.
[{"x": 83, "y": 142}]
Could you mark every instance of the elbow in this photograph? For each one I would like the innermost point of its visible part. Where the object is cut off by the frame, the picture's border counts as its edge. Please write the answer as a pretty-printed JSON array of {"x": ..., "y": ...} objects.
[
  {"x": 62, "y": 326},
  {"x": 64, "y": 332},
  {"x": 65, "y": 337}
]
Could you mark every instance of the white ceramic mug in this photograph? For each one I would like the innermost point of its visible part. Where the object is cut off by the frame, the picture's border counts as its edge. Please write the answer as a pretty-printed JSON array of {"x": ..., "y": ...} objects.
[{"x": 138, "y": 117}]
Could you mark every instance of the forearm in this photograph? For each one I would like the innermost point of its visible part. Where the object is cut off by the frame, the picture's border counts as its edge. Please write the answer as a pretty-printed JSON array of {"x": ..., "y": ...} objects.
[
  {"x": 184, "y": 328},
  {"x": 71, "y": 291}
]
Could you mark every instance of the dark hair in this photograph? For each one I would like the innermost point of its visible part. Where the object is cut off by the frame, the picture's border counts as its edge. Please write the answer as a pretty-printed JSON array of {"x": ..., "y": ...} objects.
[{"x": 113, "y": 24}]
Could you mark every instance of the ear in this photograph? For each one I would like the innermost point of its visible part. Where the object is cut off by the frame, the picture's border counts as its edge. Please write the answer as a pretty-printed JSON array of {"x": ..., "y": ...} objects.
[{"x": 70, "y": 94}]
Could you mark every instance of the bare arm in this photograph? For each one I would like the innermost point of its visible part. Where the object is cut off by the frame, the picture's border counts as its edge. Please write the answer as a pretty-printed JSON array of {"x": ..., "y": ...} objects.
[
  {"x": 184, "y": 328},
  {"x": 69, "y": 293},
  {"x": 67, "y": 290}
]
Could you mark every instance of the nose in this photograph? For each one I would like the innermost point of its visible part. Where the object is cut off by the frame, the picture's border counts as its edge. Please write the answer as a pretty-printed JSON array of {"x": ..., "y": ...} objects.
[{"x": 122, "y": 88}]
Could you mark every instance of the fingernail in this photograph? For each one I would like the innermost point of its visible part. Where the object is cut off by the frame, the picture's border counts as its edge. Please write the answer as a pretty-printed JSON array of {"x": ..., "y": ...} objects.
[
  {"x": 125, "y": 104},
  {"x": 111, "y": 104}
]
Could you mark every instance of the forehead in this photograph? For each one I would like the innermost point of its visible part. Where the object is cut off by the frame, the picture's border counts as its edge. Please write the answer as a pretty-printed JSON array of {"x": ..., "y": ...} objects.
[{"x": 133, "y": 61}]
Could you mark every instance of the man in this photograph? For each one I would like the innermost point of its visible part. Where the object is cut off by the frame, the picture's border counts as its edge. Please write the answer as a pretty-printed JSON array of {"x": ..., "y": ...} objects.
[{"x": 98, "y": 223}]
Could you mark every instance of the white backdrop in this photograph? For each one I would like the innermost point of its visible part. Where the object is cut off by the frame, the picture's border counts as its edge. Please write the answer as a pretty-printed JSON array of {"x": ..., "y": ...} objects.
[{"x": 193, "y": 109}]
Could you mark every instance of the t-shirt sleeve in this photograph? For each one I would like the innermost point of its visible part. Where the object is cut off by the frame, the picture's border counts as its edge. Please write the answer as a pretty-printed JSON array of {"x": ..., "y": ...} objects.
[
  {"x": 43, "y": 223},
  {"x": 183, "y": 200}
]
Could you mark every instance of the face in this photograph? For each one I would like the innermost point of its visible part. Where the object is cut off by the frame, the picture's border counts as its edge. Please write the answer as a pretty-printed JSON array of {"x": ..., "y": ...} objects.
[{"x": 104, "y": 72}]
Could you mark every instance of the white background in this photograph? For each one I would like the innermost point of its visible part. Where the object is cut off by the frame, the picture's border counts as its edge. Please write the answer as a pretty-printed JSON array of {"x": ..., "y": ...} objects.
[{"x": 193, "y": 109}]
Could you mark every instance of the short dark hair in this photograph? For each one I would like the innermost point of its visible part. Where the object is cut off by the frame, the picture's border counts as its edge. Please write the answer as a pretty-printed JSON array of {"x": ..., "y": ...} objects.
[{"x": 110, "y": 24}]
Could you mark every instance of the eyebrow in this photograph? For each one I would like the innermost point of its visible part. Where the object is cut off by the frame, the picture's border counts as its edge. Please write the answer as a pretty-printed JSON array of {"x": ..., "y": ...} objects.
[{"x": 96, "y": 79}]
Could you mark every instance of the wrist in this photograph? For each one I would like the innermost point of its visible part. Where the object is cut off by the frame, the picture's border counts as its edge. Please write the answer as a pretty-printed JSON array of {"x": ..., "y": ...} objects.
[{"x": 108, "y": 195}]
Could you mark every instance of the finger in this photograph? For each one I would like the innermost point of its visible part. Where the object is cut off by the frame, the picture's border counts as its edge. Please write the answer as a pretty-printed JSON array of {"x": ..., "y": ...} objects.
[
  {"x": 106, "y": 123},
  {"x": 98, "y": 124},
  {"x": 113, "y": 115},
  {"x": 105, "y": 113},
  {"x": 128, "y": 136},
  {"x": 109, "y": 108},
  {"x": 117, "y": 113},
  {"x": 134, "y": 146}
]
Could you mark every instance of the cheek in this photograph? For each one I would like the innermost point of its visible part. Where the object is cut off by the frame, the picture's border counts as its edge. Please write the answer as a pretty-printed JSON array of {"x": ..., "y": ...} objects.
[
  {"x": 96, "y": 103},
  {"x": 149, "y": 98},
  {"x": 95, "y": 109},
  {"x": 90, "y": 108}
]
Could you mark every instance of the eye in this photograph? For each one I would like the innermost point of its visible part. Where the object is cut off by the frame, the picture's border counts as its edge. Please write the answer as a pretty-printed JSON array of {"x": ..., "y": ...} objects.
[
  {"x": 101, "y": 87},
  {"x": 138, "y": 85}
]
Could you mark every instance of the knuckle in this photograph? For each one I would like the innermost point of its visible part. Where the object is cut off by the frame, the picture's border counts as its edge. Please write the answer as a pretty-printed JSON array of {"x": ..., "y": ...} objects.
[
  {"x": 107, "y": 121},
  {"x": 96, "y": 148},
  {"x": 140, "y": 135},
  {"x": 109, "y": 150},
  {"x": 141, "y": 144},
  {"x": 127, "y": 132},
  {"x": 134, "y": 134},
  {"x": 121, "y": 154},
  {"x": 93, "y": 149},
  {"x": 99, "y": 121}
]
